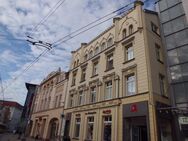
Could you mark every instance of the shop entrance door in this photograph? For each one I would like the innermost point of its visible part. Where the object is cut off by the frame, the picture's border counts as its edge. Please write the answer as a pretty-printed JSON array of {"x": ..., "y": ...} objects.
[
  {"x": 139, "y": 133},
  {"x": 135, "y": 129}
]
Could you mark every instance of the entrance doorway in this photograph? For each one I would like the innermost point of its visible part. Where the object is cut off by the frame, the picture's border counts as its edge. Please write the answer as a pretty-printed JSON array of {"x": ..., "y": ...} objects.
[{"x": 135, "y": 129}]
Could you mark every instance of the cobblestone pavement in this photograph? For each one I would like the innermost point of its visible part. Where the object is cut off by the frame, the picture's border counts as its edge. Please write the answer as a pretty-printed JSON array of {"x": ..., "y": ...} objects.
[{"x": 13, "y": 137}]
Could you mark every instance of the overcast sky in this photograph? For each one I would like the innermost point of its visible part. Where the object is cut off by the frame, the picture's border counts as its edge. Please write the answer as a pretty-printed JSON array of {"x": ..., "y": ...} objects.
[{"x": 19, "y": 17}]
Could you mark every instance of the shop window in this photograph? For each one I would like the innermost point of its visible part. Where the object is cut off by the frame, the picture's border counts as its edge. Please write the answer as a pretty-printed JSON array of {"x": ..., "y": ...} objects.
[
  {"x": 129, "y": 52},
  {"x": 95, "y": 68},
  {"x": 131, "y": 29},
  {"x": 124, "y": 33},
  {"x": 93, "y": 94},
  {"x": 81, "y": 98},
  {"x": 90, "y": 128},
  {"x": 110, "y": 42},
  {"x": 108, "y": 90},
  {"x": 107, "y": 128},
  {"x": 162, "y": 84},
  {"x": 83, "y": 75},
  {"x": 109, "y": 62},
  {"x": 77, "y": 128},
  {"x": 131, "y": 84}
]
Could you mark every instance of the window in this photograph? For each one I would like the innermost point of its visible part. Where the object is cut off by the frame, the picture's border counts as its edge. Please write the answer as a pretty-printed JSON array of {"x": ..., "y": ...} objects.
[
  {"x": 83, "y": 75},
  {"x": 49, "y": 100},
  {"x": 103, "y": 46},
  {"x": 74, "y": 64},
  {"x": 55, "y": 104},
  {"x": 176, "y": 73},
  {"x": 91, "y": 54},
  {"x": 109, "y": 65},
  {"x": 124, "y": 33},
  {"x": 130, "y": 29},
  {"x": 77, "y": 63},
  {"x": 77, "y": 128},
  {"x": 131, "y": 84},
  {"x": 162, "y": 84},
  {"x": 110, "y": 42},
  {"x": 173, "y": 57},
  {"x": 74, "y": 79},
  {"x": 95, "y": 68},
  {"x": 81, "y": 98},
  {"x": 158, "y": 52},
  {"x": 107, "y": 128},
  {"x": 90, "y": 127},
  {"x": 108, "y": 91},
  {"x": 93, "y": 94},
  {"x": 96, "y": 50},
  {"x": 129, "y": 52},
  {"x": 71, "y": 101},
  {"x": 154, "y": 28},
  {"x": 85, "y": 57},
  {"x": 59, "y": 100}
]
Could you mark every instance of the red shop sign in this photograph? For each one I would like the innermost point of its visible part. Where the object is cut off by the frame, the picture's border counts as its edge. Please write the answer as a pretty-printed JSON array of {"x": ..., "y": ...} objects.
[
  {"x": 107, "y": 112},
  {"x": 134, "y": 108}
]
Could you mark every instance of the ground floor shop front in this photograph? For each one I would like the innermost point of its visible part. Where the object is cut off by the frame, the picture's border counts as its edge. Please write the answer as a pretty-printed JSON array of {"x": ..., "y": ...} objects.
[{"x": 117, "y": 121}]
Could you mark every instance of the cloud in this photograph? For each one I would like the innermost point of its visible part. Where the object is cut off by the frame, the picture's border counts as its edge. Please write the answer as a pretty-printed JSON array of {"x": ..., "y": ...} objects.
[{"x": 20, "y": 17}]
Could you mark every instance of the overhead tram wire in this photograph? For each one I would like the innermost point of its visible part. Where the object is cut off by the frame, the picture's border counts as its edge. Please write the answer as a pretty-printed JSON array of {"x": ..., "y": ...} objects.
[
  {"x": 56, "y": 6},
  {"x": 113, "y": 12},
  {"x": 45, "y": 51}
]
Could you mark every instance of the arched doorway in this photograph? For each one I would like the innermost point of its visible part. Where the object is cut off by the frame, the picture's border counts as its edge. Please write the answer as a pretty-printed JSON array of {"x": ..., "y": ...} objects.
[{"x": 53, "y": 128}]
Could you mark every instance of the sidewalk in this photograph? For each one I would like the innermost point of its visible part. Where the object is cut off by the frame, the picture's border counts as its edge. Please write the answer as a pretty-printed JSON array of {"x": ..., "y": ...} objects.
[{"x": 14, "y": 137}]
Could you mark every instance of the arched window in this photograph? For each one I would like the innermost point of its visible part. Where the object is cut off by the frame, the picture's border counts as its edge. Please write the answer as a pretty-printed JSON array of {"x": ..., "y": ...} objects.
[
  {"x": 124, "y": 33},
  {"x": 130, "y": 29},
  {"x": 90, "y": 54},
  {"x": 96, "y": 50},
  {"x": 110, "y": 42},
  {"x": 103, "y": 46},
  {"x": 85, "y": 57},
  {"x": 77, "y": 62}
]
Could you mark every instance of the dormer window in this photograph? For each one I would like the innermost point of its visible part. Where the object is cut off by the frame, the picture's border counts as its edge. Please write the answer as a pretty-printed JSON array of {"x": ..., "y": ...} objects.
[
  {"x": 110, "y": 42},
  {"x": 124, "y": 33},
  {"x": 130, "y": 29}
]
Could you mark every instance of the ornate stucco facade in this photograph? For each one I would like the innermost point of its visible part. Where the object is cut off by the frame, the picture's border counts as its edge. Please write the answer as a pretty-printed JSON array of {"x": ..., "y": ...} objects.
[
  {"x": 48, "y": 106},
  {"x": 117, "y": 82}
]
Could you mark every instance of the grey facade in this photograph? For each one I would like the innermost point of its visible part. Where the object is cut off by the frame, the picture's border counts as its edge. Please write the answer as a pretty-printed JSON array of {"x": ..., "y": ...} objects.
[{"x": 173, "y": 18}]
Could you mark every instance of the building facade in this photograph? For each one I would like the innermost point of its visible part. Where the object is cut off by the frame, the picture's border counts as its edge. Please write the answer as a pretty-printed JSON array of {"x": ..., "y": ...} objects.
[
  {"x": 10, "y": 115},
  {"x": 174, "y": 23},
  {"x": 48, "y": 106},
  {"x": 28, "y": 108},
  {"x": 117, "y": 83}
]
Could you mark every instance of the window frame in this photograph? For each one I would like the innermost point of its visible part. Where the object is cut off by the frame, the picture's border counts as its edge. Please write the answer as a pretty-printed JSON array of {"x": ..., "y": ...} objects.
[
  {"x": 93, "y": 92},
  {"x": 77, "y": 123},
  {"x": 110, "y": 61},
  {"x": 108, "y": 90},
  {"x": 90, "y": 123},
  {"x": 130, "y": 83}
]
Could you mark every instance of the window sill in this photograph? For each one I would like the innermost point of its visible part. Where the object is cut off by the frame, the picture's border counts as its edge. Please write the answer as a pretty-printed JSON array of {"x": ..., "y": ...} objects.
[
  {"x": 127, "y": 61},
  {"x": 109, "y": 69},
  {"x": 160, "y": 61},
  {"x": 94, "y": 76}
]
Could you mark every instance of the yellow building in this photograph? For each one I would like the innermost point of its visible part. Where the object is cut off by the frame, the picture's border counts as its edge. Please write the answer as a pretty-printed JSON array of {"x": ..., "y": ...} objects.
[
  {"x": 118, "y": 81},
  {"x": 49, "y": 105}
]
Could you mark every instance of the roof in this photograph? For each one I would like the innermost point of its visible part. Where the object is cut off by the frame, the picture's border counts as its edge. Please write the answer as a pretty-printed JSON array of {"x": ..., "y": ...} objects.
[{"x": 11, "y": 104}]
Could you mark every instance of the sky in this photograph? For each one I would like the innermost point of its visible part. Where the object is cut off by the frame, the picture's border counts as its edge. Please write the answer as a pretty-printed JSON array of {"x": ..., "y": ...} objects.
[{"x": 19, "y": 18}]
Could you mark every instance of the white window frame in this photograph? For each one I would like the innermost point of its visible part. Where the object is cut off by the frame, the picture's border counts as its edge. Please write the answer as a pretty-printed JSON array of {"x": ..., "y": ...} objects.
[
  {"x": 90, "y": 122},
  {"x": 108, "y": 90},
  {"x": 130, "y": 84},
  {"x": 93, "y": 93},
  {"x": 77, "y": 123},
  {"x": 81, "y": 97}
]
